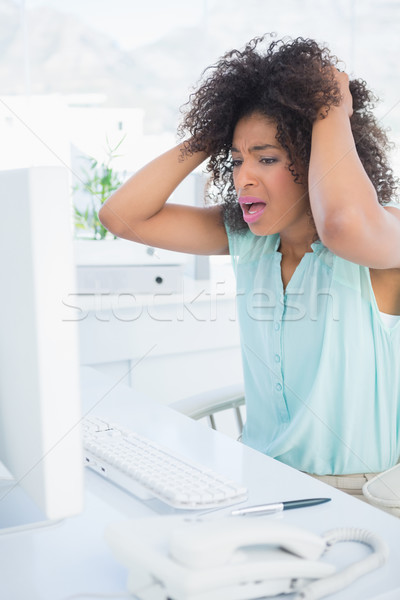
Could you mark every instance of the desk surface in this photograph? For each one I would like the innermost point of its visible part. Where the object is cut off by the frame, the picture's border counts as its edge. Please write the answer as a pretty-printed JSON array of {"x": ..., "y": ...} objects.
[{"x": 72, "y": 558}]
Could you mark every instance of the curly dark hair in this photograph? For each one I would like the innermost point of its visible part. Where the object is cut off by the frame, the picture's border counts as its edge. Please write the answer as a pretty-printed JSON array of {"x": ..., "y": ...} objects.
[{"x": 288, "y": 82}]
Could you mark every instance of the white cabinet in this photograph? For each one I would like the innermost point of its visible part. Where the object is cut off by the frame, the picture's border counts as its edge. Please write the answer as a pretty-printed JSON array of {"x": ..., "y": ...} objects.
[{"x": 165, "y": 346}]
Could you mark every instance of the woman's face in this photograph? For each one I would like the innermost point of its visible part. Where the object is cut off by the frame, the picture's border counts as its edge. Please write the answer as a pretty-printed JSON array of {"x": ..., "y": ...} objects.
[{"x": 270, "y": 199}]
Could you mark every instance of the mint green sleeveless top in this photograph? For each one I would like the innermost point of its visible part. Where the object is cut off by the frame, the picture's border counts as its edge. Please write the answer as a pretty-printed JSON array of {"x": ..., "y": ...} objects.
[{"x": 321, "y": 368}]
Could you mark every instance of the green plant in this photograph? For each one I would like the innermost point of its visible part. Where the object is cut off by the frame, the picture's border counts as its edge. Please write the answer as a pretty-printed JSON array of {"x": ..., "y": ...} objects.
[{"x": 97, "y": 182}]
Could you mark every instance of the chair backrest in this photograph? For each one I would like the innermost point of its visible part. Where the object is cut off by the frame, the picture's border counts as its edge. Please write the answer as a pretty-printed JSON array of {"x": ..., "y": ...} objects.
[{"x": 225, "y": 402}]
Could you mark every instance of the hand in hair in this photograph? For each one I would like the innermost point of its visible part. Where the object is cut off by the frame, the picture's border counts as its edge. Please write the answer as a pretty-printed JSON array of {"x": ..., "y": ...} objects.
[{"x": 347, "y": 99}]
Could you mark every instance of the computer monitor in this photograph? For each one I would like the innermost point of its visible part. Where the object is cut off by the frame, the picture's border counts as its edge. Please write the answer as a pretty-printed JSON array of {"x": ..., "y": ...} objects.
[{"x": 40, "y": 435}]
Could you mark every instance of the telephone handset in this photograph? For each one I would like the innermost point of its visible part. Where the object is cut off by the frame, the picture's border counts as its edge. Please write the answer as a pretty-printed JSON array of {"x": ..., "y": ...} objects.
[
  {"x": 232, "y": 558},
  {"x": 213, "y": 544}
]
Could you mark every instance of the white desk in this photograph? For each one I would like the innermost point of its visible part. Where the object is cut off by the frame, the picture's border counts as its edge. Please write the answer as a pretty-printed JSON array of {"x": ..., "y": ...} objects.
[{"x": 72, "y": 558}]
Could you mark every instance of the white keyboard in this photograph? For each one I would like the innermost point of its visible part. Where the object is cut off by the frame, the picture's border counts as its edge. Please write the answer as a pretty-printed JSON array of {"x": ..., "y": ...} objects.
[{"x": 137, "y": 464}]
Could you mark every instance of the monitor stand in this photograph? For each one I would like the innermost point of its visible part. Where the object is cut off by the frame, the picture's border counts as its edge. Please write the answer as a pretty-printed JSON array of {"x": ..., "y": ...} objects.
[{"x": 18, "y": 511}]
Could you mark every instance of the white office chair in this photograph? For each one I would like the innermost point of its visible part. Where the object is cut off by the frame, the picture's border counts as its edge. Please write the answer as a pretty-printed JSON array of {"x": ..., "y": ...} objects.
[{"x": 207, "y": 404}]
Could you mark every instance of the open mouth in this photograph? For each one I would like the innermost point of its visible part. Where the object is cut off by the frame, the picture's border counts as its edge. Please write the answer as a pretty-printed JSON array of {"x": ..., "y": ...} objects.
[{"x": 252, "y": 208}]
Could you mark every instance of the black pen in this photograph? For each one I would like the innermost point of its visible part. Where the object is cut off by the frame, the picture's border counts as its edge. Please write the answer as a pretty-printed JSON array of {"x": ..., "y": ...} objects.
[{"x": 278, "y": 506}]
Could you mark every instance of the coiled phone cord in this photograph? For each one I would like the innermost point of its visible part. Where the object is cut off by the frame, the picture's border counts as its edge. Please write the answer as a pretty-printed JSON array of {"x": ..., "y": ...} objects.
[{"x": 333, "y": 583}]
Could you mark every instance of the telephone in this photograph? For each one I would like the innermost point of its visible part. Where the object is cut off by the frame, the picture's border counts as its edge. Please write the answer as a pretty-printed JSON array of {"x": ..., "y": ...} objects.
[{"x": 232, "y": 558}]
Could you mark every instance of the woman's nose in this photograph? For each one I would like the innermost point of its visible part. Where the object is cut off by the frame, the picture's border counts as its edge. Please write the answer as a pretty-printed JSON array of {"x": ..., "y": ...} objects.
[{"x": 245, "y": 176}]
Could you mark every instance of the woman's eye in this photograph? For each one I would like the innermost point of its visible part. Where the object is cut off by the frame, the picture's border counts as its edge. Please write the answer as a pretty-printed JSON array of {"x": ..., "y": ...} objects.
[
  {"x": 236, "y": 162},
  {"x": 268, "y": 161}
]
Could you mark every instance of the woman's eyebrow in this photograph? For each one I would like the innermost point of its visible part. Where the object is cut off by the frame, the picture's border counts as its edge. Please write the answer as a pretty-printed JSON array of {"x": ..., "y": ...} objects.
[{"x": 257, "y": 148}]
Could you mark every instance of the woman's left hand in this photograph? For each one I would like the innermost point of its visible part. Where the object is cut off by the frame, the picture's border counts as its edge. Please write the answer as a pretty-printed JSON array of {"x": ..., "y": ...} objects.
[{"x": 346, "y": 97}]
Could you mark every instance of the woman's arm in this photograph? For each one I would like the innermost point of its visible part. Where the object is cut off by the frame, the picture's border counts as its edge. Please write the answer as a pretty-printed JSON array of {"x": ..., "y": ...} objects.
[
  {"x": 139, "y": 211},
  {"x": 349, "y": 219}
]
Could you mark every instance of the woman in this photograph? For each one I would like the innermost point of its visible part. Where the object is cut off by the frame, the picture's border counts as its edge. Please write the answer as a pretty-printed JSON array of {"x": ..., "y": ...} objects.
[{"x": 302, "y": 184}]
